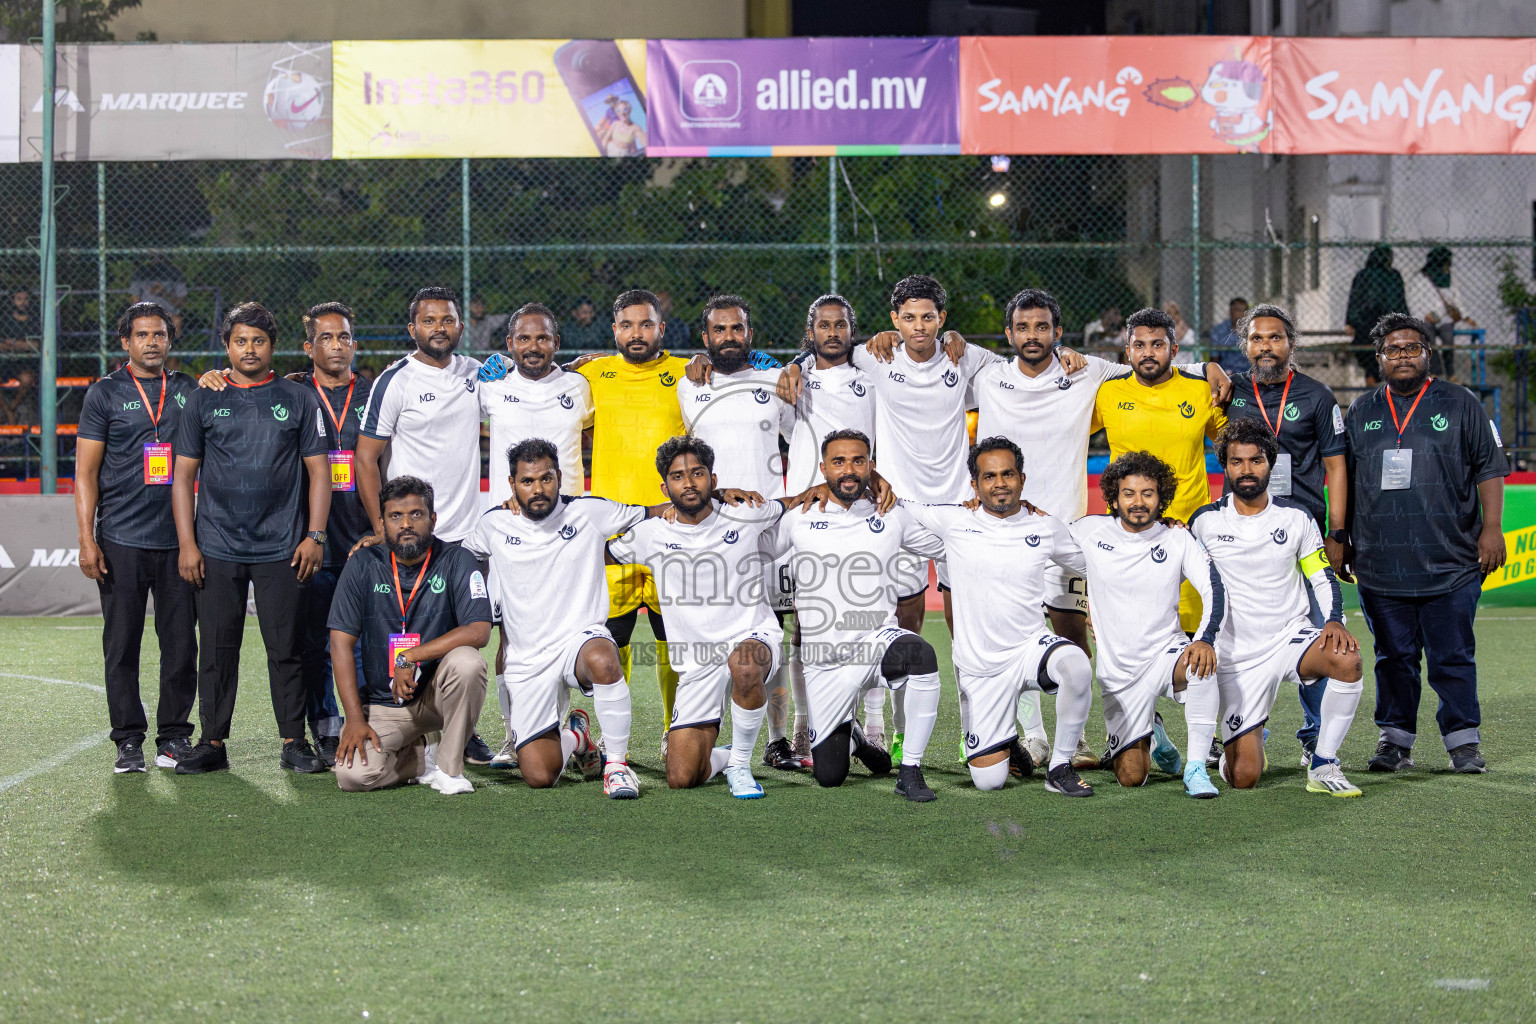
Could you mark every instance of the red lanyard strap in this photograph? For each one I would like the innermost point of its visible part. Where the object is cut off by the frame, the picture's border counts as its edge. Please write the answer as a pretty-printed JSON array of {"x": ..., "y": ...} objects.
[
  {"x": 325, "y": 401},
  {"x": 154, "y": 417},
  {"x": 405, "y": 602},
  {"x": 1280, "y": 416},
  {"x": 1404, "y": 425}
]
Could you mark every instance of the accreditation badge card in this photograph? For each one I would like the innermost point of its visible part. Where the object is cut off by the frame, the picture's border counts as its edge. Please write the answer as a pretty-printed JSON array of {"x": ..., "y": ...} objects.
[
  {"x": 341, "y": 472},
  {"x": 1280, "y": 476},
  {"x": 401, "y": 642},
  {"x": 157, "y": 462},
  {"x": 1396, "y": 469}
]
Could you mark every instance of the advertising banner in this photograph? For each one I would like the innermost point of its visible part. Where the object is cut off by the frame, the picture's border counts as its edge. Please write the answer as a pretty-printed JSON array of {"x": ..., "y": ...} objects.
[
  {"x": 40, "y": 558},
  {"x": 491, "y": 97},
  {"x": 795, "y": 97},
  {"x": 1405, "y": 95},
  {"x": 183, "y": 101},
  {"x": 1116, "y": 94}
]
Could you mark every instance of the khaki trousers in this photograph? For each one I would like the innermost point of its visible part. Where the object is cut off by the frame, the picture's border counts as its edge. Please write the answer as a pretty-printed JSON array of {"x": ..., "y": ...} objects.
[{"x": 451, "y": 705}]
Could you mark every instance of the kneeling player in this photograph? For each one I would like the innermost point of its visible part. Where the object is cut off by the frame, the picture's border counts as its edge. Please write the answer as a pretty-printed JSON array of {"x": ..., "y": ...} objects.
[
  {"x": 998, "y": 555},
  {"x": 851, "y": 564},
  {"x": 1135, "y": 567},
  {"x": 723, "y": 636},
  {"x": 557, "y": 642},
  {"x": 1268, "y": 550}
]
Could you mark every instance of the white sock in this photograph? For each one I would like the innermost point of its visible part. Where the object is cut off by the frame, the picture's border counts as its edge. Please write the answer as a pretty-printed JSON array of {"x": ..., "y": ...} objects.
[
  {"x": 1337, "y": 712},
  {"x": 778, "y": 703},
  {"x": 1202, "y": 709},
  {"x": 719, "y": 757},
  {"x": 797, "y": 689},
  {"x": 611, "y": 702},
  {"x": 874, "y": 710},
  {"x": 922, "y": 710},
  {"x": 504, "y": 698},
  {"x": 1073, "y": 675},
  {"x": 1031, "y": 723},
  {"x": 991, "y": 777},
  {"x": 568, "y": 745},
  {"x": 745, "y": 725}
]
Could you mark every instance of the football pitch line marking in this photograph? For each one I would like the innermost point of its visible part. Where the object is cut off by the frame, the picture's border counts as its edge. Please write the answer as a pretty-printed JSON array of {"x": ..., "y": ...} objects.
[
  {"x": 80, "y": 746},
  {"x": 55, "y": 682}
]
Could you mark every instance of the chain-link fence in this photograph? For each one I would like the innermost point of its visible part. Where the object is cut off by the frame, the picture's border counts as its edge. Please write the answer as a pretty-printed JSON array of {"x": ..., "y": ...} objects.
[{"x": 1107, "y": 235}]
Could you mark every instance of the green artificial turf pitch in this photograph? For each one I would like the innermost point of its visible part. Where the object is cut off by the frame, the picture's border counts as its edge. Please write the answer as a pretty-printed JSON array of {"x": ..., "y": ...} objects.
[{"x": 259, "y": 895}]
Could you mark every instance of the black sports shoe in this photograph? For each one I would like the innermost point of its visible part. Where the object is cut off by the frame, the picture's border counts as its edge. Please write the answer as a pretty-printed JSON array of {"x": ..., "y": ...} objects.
[
  {"x": 1213, "y": 756},
  {"x": 170, "y": 753},
  {"x": 476, "y": 751},
  {"x": 1466, "y": 760},
  {"x": 130, "y": 757},
  {"x": 205, "y": 757},
  {"x": 325, "y": 749},
  {"x": 1064, "y": 779},
  {"x": 911, "y": 784},
  {"x": 1020, "y": 764},
  {"x": 779, "y": 755},
  {"x": 299, "y": 756},
  {"x": 1390, "y": 758},
  {"x": 876, "y": 759}
]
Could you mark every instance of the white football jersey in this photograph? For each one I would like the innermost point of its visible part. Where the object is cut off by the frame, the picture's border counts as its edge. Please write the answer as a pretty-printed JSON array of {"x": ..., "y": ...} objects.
[
  {"x": 547, "y": 577},
  {"x": 556, "y": 407},
  {"x": 1266, "y": 562},
  {"x": 1049, "y": 417},
  {"x": 709, "y": 577},
  {"x": 997, "y": 576},
  {"x": 1133, "y": 589},
  {"x": 840, "y": 397},
  {"x": 851, "y": 565},
  {"x": 920, "y": 421},
  {"x": 431, "y": 419},
  {"x": 741, "y": 417}
]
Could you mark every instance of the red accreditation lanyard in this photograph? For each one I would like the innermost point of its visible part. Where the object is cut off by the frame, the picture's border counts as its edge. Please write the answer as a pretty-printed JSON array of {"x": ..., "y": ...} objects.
[
  {"x": 345, "y": 405},
  {"x": 402, "y": 601},
  {"x": 1280, "y": 416},
  {"x": 154, "y": 417},
  {"x": 1404, "y": 425}
]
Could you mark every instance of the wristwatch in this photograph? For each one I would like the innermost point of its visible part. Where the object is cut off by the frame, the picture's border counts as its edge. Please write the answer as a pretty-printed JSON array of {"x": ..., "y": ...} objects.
[
  {"x": 318, "y": 536},
  {"x": 400, "y": 661},
  {"x": 1339, "y": 535}
]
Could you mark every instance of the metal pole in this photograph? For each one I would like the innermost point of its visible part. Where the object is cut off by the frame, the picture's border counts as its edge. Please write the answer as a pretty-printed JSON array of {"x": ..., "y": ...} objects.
[
  {"x": 1194, "y": 248},
  {"x": 101, "y": 268},
  {"x": 832, "y": 221},
  {"x": 464, "y": 236},
  {"x": 47, "y": 376}
]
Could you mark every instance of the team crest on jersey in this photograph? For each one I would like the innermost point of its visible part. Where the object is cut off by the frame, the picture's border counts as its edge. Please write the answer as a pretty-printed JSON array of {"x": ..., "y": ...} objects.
[
  {"x": 876, "y": 525},
  {"x": 1186, "y": 410},
  {"x": 469, "y": 384},
  {"x": 181, "y": 403},
  {"x": 1062, "y": 383},
  {"x": 1158, "y": 554},
  {"x": 951, "y": 378},
  {"x": 856, "y": 388},
  {"x": 760, "y": 396},
  {"x": 972, "y": 741},
  {"x": 1033, "y": 540},
  {"x": 1439, "y": 422},
  {"x": 280, "y": 413},
  {"x": 731, "y": 537},
  {"x": 566, "y": 403},
  {"x": 1278, "y": 535},
  {"x": 1114, "y": 742},
  {"x": 360, "y": 410},
  {"x": 1047, "y": 639},
  {"x": 1291, "y": 412},
  {"x": 567, "y": 531},
  {"x": 667, "y": 380},
  {"x": 1234, "y": 722},
  {"x": 436, "y": 584}
]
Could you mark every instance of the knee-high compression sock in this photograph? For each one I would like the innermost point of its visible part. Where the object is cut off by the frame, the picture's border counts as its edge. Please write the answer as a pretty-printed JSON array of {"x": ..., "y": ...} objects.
[
  {"x": 1073, "y": 675},
  {"x": 778, "y": 704},
  {"x": 1202, "y": 709},
  {"x": 718, "y": 759},
  {"x": 745, "y": 726},
  {"x": 831, "y": 756},
  {"x": 899, "y": 710},
  {"x": 922, "y": 708},
  {"x": 874, "y": 711},
  {"x": 992, "y": 776},
  {"x": 611, "y": 702},
  {"x": 504, "y": 698},
  {"x": 666, "y": 678},
  {"x": 1031, "y": 722},
  {"x": 1338, "y": 711},
  {"x": 797, "y": 689}
]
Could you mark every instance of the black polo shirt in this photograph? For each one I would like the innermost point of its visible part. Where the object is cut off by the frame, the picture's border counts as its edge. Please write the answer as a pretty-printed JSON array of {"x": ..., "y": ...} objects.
[
  {"x": 348, "y": 523},
  {"x": 252, "y": 443},
  {"x": 366, "y": 606},
  {"x": 1311, "y": 427},
  {"x": 129, "y": 511},
  {"x": 1423, "y": 540}
]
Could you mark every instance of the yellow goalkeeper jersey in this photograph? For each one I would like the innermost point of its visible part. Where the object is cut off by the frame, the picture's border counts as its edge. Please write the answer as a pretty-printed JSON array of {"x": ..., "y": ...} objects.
[
  {"x": 636, "y": 410},
  {"x": 1171, "y": 420}
]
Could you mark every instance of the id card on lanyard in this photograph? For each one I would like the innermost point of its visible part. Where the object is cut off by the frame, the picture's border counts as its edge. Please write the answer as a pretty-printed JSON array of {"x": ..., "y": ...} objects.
[
  {"x": 1280, "y": 472},
  {"x": 340, "y": 459},
  {"x": 1397, "y": 463},
  {"x": 403, "y": 641},
  {"x": 157, "y": 453}
]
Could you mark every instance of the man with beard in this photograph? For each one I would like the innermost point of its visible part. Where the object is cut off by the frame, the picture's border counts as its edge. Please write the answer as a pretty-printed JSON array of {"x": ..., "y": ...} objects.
[
  {"x": 851, "y": 565},
  {"x": 1000, "y": 555},
  {"x": 707, "y": 566},
  {"x": 1427, "y": 470},
  {"x": 421, "y": 609},
  {"x": 1267, "y": 549},
  {"x": 424, "y": 410},
  {"x": 1136, "y": 565},
  {"x": 1308, "y": 428}
]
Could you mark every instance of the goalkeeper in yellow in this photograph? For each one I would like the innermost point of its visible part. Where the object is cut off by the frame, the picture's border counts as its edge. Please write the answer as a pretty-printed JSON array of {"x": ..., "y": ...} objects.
[
  {"x": 1168, "y": 411},
  {"x": 635, "y": 396}
]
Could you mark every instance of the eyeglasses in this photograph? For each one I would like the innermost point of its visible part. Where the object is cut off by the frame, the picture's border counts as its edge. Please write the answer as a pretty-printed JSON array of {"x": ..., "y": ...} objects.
[{"x": 1412, "y": 350}]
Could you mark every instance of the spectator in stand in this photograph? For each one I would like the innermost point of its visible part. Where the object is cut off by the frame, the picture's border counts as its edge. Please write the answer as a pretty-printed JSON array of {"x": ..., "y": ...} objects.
[
  {"x": 1183, "y": 334},
  {"x": 485, "y": 330},
  {"x": 1431, "y": 291},
  {"x": 160, "y": 282},
  {"x": 583, "y": 332},
  {"x": 20, "y": 328},
  {"x": 1376, "y": 291},
  {"x": 20, "y": 400},
  {"x": 1105, "y": 330},
  {"x": 1227, "y": 346}
]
